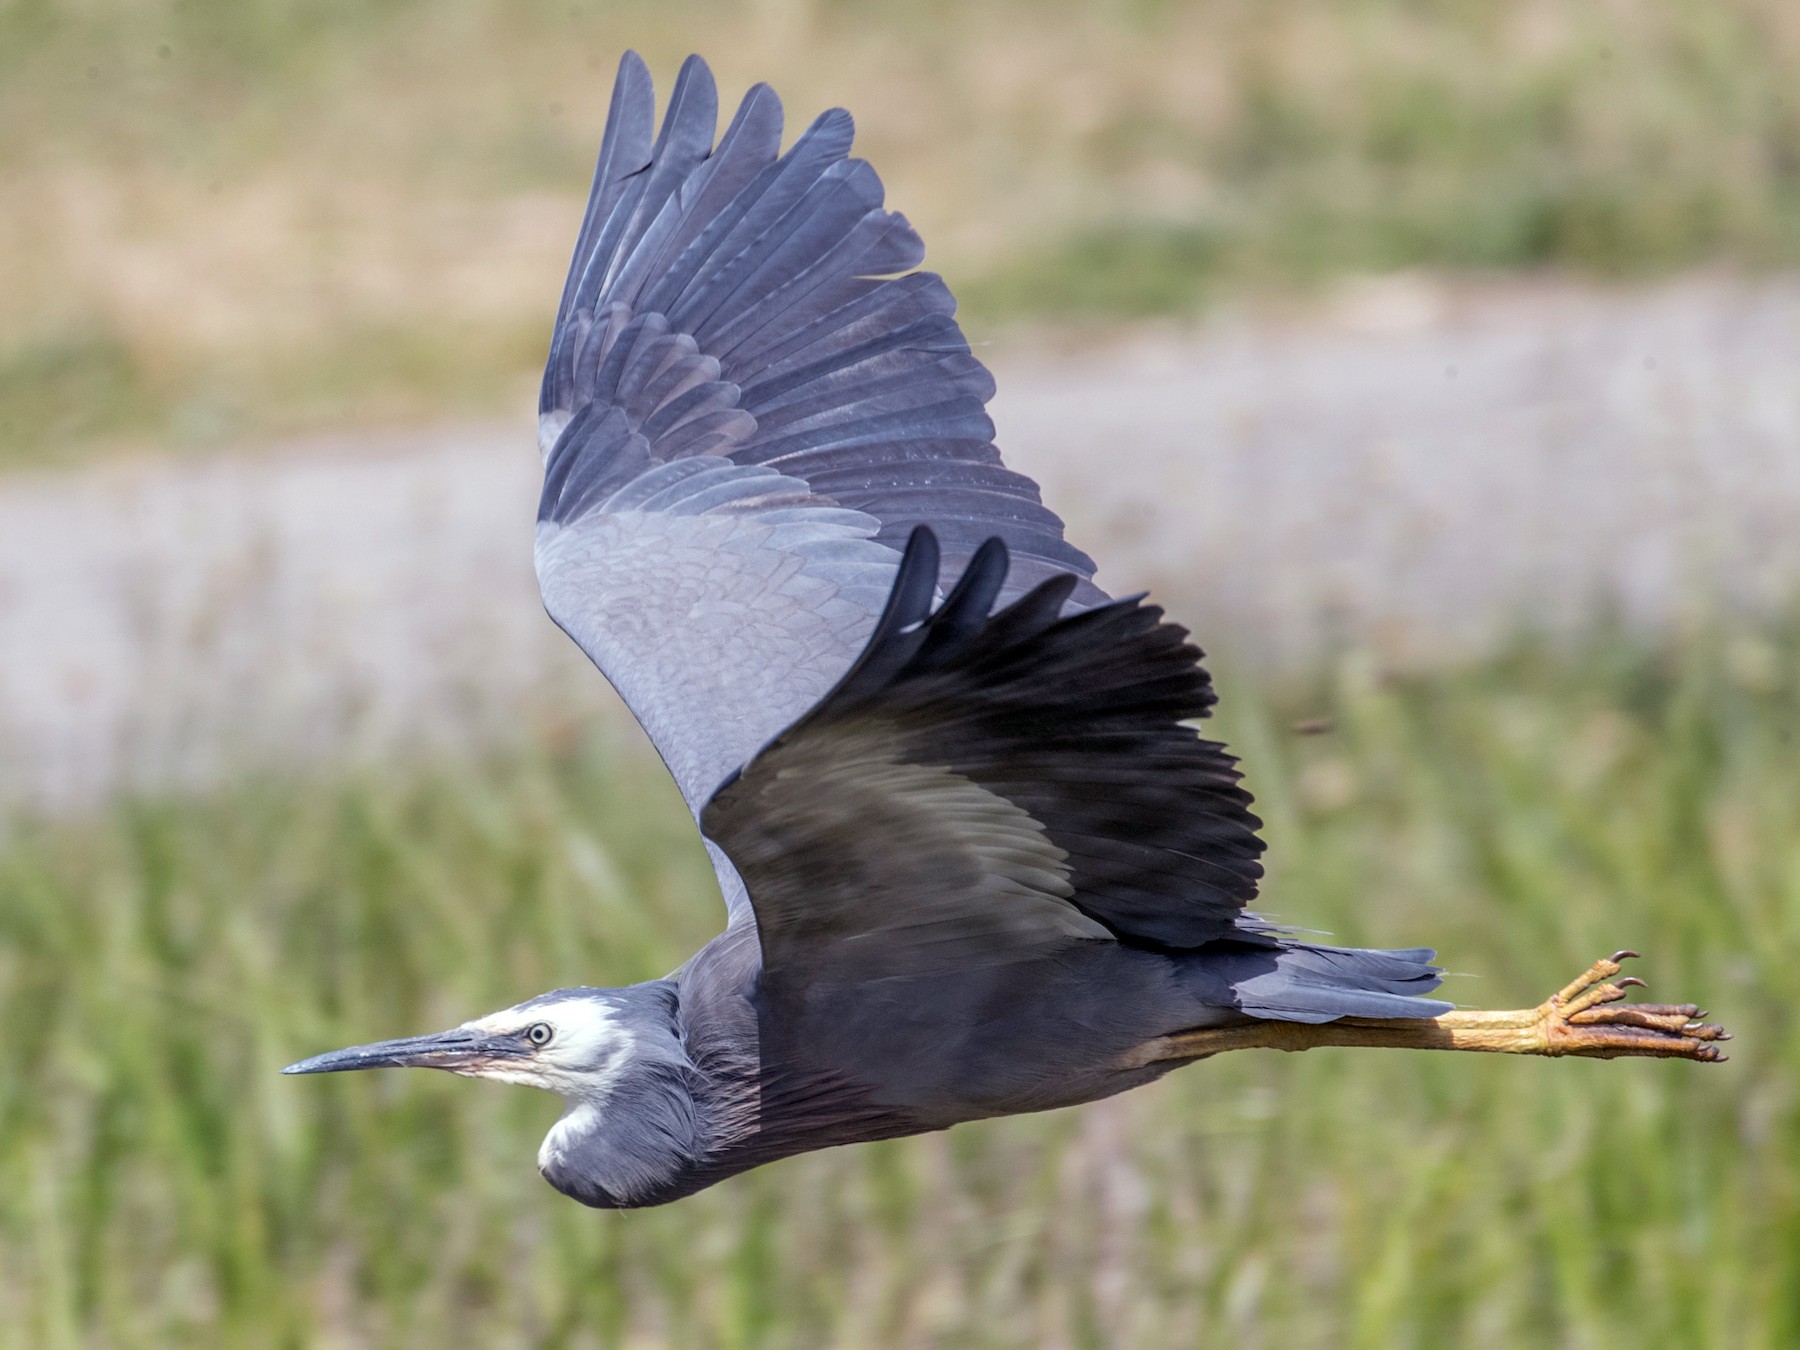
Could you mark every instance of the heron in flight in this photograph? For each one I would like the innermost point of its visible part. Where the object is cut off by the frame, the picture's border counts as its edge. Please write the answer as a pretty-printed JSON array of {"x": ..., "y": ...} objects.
[{"x": 975, "y": 859}]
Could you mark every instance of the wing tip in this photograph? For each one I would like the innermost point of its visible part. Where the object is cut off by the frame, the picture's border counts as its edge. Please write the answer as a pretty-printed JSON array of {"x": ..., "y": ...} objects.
[
  {"x": 632, "y": 65},
  {"x": 633, "y": 98}
]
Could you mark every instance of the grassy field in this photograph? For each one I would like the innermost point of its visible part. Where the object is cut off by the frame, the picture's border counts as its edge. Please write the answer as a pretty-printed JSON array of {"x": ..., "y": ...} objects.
[
  {"x": 162, "y": 1184},
  {"x": 230, "y": 218}
]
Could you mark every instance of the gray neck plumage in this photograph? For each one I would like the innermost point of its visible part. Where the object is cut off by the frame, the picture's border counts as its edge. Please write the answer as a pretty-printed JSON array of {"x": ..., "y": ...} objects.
[{"x": 637, "y": 1131}]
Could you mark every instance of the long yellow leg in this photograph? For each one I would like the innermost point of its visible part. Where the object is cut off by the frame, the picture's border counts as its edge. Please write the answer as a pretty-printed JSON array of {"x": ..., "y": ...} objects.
[{"x": 1579, "y": 1020}]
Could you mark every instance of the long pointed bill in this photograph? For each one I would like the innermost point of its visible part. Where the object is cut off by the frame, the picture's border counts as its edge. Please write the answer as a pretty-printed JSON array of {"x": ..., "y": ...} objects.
[{"x": 459, "y": 1049}]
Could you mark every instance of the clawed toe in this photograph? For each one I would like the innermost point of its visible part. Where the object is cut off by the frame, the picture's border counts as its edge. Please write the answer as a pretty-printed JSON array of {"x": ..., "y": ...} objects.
[{"x": 1586, "y": 1019}]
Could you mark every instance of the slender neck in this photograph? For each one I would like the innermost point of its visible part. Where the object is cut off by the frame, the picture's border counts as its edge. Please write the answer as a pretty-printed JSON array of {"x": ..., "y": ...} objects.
[{"x": 627, "y": 1142}]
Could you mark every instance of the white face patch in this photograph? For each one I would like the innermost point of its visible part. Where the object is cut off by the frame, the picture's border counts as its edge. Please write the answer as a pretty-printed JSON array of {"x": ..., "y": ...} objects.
[{"x": 587, "y": 1049}]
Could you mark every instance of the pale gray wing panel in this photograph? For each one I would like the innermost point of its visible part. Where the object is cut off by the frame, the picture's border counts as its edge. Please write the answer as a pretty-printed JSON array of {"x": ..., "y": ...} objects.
[{"x": 719, "y": 610}]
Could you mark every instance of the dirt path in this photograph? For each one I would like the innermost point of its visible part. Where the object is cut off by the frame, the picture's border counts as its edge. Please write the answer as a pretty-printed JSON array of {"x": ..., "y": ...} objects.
[{"x": 1414, "y": 471}]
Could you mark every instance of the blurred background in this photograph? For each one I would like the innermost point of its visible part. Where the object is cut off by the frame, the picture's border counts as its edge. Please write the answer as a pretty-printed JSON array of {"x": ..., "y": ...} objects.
[{"x": 1435, "y": 361}]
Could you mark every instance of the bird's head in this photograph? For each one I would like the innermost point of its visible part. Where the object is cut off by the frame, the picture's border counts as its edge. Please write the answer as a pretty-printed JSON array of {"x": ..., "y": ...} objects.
[
  {"x": 573, "y": 1042},
  {"x": 617, "y": 1058}
]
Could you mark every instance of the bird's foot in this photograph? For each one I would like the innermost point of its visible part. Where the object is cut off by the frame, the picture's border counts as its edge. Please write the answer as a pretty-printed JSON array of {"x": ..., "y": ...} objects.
[{"x": 1589, "y": 1017}]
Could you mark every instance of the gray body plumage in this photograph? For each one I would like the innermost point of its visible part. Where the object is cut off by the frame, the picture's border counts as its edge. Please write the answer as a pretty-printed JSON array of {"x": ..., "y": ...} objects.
[
  {"x": 972, "y": 851},
  {"x": 764, "y": 1081}
]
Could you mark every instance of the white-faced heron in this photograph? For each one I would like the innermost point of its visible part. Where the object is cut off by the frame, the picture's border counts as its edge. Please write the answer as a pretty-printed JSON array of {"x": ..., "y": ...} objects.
[{"x": 975, "y": 859}]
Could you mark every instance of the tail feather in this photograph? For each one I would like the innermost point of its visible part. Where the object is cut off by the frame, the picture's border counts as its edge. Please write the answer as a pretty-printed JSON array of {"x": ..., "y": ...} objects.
[{"x": 1311, "y": 983}]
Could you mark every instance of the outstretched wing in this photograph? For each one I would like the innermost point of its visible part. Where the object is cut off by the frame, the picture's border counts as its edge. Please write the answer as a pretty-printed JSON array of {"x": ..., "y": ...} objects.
[
  {"x": 749, "y": 403},
  {"x": 982, "y": 788}
]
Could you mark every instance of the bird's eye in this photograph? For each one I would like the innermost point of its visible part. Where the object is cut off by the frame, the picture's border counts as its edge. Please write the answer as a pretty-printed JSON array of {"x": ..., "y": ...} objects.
[{"x": 539, "y": 1033}]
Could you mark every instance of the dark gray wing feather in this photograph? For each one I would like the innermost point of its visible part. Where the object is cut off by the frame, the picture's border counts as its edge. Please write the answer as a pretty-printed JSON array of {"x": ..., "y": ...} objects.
[
  {"x": 749, "y": 403},
  {"x": 987, "y": 787}
]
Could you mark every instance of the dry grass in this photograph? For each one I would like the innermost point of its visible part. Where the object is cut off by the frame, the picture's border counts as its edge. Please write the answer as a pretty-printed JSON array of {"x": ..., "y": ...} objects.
[{"x": 223, "y": 217}]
